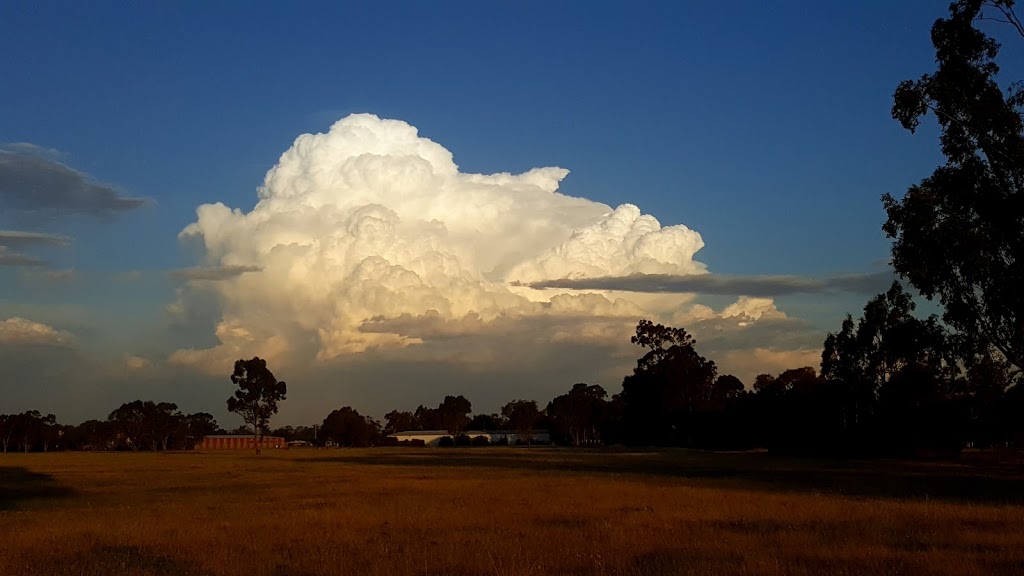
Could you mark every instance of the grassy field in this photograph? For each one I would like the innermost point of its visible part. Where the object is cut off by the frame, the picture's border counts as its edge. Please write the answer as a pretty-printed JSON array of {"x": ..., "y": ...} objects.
[{"x": 502, "y": 512}]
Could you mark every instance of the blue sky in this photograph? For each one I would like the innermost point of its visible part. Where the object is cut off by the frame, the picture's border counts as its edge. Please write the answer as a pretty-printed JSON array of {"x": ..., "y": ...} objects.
[{"x": 763, "y": 126}]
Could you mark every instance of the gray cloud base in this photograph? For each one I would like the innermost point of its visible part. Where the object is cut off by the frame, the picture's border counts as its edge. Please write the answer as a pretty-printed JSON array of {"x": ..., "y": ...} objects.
[
  {"x": 11, "y": 240},
  {"x": 34, "y": 182},
  {"x": 213, "y": 273},
  {"x": 21, "y": 238},
  {"x": 719, "y": 284}
]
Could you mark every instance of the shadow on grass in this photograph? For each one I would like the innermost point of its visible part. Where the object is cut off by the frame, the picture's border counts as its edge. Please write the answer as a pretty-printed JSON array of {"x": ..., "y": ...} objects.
[
  {"x": 18, "y": 485},
  {"x": 881, "y": 479}
]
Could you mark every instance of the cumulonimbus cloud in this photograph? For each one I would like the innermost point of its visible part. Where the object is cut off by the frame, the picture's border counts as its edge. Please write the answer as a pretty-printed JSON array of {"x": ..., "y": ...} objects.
[{"x": 369, "y": 236}]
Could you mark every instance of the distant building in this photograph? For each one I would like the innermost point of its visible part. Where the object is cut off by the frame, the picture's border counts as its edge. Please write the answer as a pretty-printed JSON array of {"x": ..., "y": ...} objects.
[
  {"x": 433, "y": 437},
  {"x": 239, "y": 442}
]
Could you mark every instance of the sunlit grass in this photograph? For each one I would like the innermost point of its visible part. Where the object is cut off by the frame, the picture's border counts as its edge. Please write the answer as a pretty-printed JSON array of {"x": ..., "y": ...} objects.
[{"x": 500, "y": 511}]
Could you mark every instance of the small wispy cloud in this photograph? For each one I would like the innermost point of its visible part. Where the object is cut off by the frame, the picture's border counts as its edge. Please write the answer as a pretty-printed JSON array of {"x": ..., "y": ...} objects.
[
  {"x": 50, "y": 275},
  {"x": 13, "y": 241},
  {"x": 726, "y": 285},
  {"x": 213, "y": 273},
  {"x": 22, "y": 238},
  {"x": 12, "y": 258}
]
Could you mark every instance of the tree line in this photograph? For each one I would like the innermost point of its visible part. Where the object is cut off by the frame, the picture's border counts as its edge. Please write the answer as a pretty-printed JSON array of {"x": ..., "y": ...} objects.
[{"x": 136, "y": 425}]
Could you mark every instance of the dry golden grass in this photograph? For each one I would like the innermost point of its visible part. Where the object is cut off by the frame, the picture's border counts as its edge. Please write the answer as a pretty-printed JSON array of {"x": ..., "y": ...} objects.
[{"x": 508, "y": 511}]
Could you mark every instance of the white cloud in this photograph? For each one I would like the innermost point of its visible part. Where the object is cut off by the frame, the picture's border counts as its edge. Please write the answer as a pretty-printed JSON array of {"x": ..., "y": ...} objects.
[
  {"x": 17, "y": 331},
  {"x": 748, "y": 310},
  {"x": 132, "y": 362},
  {"x": 369, "y": 237}
]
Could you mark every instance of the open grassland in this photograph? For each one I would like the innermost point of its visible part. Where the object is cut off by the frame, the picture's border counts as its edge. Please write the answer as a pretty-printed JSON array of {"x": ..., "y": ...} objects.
[{"x": 501, "y": 511}]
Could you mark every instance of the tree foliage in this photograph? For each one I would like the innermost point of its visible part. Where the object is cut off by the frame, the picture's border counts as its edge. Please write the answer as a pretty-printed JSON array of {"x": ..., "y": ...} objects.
[
  {"x": 579, "y": 415},
  {"x": 522, "y": 416},
  {"x": 453, "y": 414},
  {"x": 257, "y": 395},
  {"x": 890, "y": 369},
  {"x": 669, "y": 389},
  {"x": 347, "y": 427},
  {"x": 957, "y": 234}
]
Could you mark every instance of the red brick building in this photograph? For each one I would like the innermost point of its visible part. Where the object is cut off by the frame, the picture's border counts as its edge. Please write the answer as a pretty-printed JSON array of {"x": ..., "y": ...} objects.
[{"x": 239, "y": 442}]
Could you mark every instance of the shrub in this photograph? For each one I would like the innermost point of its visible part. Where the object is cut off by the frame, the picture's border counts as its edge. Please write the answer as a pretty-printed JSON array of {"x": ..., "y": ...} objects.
[
  {"x": 463, "y": 440},
  {"x": 446, "y": 442},
  {"x": 481, "y": 441}
]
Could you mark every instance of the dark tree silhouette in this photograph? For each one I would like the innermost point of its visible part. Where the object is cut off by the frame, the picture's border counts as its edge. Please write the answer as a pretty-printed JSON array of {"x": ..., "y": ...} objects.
[
  {"x": 522, "y": 416},
  {"x": 7, "y": 422},
  {"x": 669, "y": 389},
  {"x": 890, "y": 370},
  {"x": 303, "y": 433},
  {"x": 257, "y": 396},
  {"x": 727, "y": 387},
  {"x": 578, "y": 416},
  {"x": 91, "y": 435},
  {"x": 958, "y": 233},
  {"x": 165, "y": 421},
  {"x": 397, "y": 421},
  {"x": 196, "y": 427},
  {"x": 130, "y": 425},
  {"x": 453, "y": 414},
  {"x": 487, "y": 422},
  {"x": 348, "y": 427},
  {"x": 427, "y": 418},
  {"x": 31, "y": 427}
]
